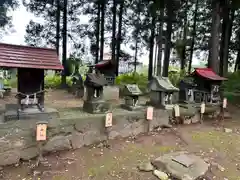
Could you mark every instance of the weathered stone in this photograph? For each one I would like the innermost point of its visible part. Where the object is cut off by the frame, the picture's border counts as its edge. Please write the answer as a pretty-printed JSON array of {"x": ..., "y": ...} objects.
[
  {"x": 160, "y": 175},
  {"x": 126, "y": 131},
  {"x": 5, "y": 145},
  {"x": 29, "y": 153},
  {"x": 146, "y": 167},
  {"x": 57, "y": 143},
  {"x": 82, "y": 126},
  {"x": 227, "y": 130},
  {"x": 113, "y": 134},
  {"x": 196, "y": 118},
  {"x": 76, "y": 140},
  {"x": 138, "y": 128},
  {"x": 92, "y": 137},
  {"x": 179, "y": 171},
  {"x": 9, "y": 158}
]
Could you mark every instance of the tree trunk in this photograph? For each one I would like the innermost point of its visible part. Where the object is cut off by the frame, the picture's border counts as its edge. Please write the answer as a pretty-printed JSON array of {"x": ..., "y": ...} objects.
[
  {"x": 168, "y": 43},
  {"x": 152, "y": 36},
  {"x": 213, "y": 58},
  {"x": 114, "y": 33},
  {"x": 64, "y": 46},
  {"x": 98, "y": 31},
  {"x": 237, "y": 62},
  {"x": 155, "y": 57},
  {"x": 237, "y": 67},
  {"x": 159, "y": 43},
  {"x": 119, "y": 36},
  {"x": 228, "y": 39},
  {"x": 193, "y": 37},
  {"x": 135, "y": 56},
  {"x": 58, "y": 16},
  {"x": 102, "y": 29}
]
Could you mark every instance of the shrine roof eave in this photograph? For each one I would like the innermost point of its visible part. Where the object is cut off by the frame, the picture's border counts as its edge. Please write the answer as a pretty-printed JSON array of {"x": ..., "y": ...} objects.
[
  {"x": 19, "y": 56},
  {"x": 208, "y": 73}
]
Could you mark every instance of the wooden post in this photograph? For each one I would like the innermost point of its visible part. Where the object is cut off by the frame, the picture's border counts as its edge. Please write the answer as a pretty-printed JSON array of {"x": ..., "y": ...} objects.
[
  {"x": 223, "y": 108},
  {"x": 202, "y": 111},
  {"x": 149, "y": 117},
  {"x": 108, "y": 123},
  {"x": 41, "y": 137},
  {"x": 177, "y": 113}
]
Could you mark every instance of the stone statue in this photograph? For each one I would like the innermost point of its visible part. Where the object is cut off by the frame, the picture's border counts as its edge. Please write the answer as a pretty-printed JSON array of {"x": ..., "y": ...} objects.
[{"x": 94, "y": 102}]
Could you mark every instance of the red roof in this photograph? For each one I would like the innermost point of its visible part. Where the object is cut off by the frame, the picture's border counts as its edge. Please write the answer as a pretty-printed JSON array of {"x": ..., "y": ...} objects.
[
  {"x": 208, "y": 73},
  {"x": 16, "y": 56},
  {"x": 102, "y": 64}
]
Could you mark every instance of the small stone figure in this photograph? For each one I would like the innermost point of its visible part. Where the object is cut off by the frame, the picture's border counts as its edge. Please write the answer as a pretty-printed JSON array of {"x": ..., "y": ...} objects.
[{"x": 94, "y": 102}]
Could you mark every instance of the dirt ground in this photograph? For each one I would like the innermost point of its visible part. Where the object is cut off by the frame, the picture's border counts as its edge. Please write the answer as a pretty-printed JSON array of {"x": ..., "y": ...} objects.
[{"x": 118, "y": 159}]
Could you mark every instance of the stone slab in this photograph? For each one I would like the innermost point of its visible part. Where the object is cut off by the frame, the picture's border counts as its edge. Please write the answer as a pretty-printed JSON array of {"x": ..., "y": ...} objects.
[
  {"x": 179, "y": 171},
  {"x": 31, "y": 113},
  {"x": 184, "y": 160}
]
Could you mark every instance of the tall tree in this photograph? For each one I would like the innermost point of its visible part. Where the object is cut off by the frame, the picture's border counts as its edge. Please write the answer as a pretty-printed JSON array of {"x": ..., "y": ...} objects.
[
  {"x": 213, "y": 58},
  {"x": 160, "y": 37},
  {"x": 114, "y": 23},
  {"x": 64, "y": 43},
  {"x": 168, "y": 42},
  {"x": 98, "y": 30},
  {"x": 119, "y": 35},
  {"x": 151, "y": 41},
  {"x": 103, "y": 7},
  {"x": 58, "y": 28},
  {"x": 193, "y": 36}
]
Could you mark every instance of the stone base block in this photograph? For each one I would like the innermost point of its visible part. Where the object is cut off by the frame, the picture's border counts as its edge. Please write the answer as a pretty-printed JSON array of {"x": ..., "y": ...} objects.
[
  {"x": 131, "y": 108},
  {"x": 96, "y": 107},
  {"x": 30, "y": 113}
]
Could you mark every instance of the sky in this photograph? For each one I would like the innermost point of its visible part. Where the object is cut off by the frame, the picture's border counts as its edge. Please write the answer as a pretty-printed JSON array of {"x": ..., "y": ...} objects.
[{"x": 20, "y": 19}]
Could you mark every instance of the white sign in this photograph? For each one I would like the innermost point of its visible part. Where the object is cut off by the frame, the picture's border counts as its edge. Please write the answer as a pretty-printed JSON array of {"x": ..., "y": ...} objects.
[
  {"x": 225, "y": 103},
  {"x": 149, "y": 113},
  {"x": 177, "y": 110},
  {"x": 41, "y": 133},
  {"x": 203, "y": 108},
  {"x": 108, "y": 120}
]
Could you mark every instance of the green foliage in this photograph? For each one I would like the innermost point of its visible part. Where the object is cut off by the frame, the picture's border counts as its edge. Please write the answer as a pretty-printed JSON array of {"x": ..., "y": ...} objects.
[
  {"x": 55, "y": 81},
  {"x": 233, "y": 83},
  {"x": 176, "y": 77},
  {"x": 132, "y": 78}
]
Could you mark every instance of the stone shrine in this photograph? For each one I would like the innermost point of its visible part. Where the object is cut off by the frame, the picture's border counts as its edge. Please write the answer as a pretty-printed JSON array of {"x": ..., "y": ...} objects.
[
  {"x": 162, "y": 93},
  {"x": 131, "y": 93},
  {"x": 94, "y": 102}
]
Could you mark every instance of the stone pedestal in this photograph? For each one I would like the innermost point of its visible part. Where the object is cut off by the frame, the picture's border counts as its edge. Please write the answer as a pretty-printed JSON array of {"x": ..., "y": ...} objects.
[{"x": 96, "y": 107}]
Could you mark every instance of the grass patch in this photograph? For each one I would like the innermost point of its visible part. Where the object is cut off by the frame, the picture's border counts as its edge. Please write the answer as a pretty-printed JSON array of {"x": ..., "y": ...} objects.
[{"x": 128, "y": 158}]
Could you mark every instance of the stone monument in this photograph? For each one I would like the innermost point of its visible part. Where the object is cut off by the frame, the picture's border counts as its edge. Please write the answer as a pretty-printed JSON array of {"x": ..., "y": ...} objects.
[
  {"x": 94, "y": 102},
  {"x": 162, "y": 93},
  {"x": 131, "y": 93}
]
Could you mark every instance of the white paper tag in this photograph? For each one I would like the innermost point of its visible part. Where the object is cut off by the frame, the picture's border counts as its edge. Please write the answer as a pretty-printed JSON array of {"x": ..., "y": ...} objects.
[
  {"x": 176, "y": 110},
  {"x": 108, "y": 120},
  {"x": 225, "y": 103},
  {"x": 202, "y": 108},
  {"x": 149, "y": 113}
]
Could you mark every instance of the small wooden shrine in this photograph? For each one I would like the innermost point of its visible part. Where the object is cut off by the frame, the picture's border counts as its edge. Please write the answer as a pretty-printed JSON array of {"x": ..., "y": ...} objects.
[
  {"x": 94, "y": 102},
  {"x": 131, "y": 93},
  {"x": 107, "y": 68},
  {"x": 204, "y": 87},
  {"x": 31, "y": 63},
  {"x": 162, "y": 92}
]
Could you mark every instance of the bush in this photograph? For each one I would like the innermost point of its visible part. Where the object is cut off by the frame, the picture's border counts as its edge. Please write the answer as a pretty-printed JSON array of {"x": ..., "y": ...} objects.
[
  {"x": 131, "y": 78},
  {"x": 55, "y": 81}
]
